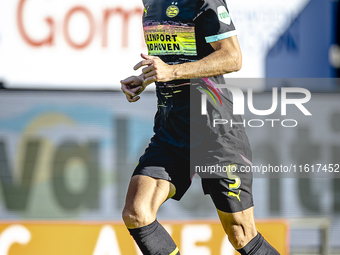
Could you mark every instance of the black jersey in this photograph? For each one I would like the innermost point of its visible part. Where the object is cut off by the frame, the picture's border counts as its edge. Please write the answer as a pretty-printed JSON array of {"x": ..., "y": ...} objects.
[
  {"x": 180, "y": 31},
  {"x": 177, "y": 32}
]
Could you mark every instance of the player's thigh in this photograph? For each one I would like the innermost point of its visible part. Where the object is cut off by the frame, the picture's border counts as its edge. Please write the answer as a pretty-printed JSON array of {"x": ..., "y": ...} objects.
[
  {"x": 144, "y": 197},
  {"x": 146, "y": 190}
]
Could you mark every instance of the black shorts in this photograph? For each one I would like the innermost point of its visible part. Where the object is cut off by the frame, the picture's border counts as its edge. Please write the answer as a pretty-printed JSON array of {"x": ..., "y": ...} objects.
[{"x": 163, "y": 161}]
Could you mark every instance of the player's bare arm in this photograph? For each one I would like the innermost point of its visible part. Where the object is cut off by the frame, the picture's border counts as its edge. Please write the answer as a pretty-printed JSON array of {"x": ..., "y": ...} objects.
[{"x": 226, "y": 58}]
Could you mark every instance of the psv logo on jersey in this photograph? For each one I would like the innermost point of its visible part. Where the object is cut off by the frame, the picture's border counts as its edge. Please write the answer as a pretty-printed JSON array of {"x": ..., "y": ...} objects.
[
  {"x": 172, "y": 10},
  {"x": 223, "y": 15}
]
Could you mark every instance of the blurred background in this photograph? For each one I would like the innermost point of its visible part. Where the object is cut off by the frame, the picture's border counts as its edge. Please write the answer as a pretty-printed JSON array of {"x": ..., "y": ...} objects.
[{"x": 69, "y": 140}]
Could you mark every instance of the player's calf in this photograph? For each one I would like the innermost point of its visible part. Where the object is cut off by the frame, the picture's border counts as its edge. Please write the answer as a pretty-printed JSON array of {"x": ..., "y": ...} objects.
[
  {"x": 242, "y": 233},
  {"x": 243, "y": 240},
  {"x": 239, "y": 236}
]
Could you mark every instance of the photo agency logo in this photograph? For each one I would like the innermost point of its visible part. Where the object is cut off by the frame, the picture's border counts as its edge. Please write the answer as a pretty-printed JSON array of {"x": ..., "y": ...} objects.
[{"x": 239, "y": 105}]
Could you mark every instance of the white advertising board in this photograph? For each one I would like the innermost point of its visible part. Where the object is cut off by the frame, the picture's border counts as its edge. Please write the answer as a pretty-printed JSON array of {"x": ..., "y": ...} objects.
[{"x": 72, "y": 44}]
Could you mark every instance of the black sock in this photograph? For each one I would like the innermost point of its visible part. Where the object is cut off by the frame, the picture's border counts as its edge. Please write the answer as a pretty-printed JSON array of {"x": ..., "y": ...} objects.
[
  {"x": 258, "y": 245},
  {"x": 153, "y": 239}
]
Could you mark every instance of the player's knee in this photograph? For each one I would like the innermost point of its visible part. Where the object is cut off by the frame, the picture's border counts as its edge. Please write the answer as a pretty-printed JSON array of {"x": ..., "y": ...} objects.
[
  {"x": 239, "y": 236},
  {"x": 136, "y": 217}
]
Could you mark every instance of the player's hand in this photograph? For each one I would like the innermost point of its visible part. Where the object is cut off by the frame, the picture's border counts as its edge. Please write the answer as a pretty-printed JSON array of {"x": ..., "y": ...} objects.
[
  {"x": 155, "y": 70},
  {"x": 132, "y": 87}
]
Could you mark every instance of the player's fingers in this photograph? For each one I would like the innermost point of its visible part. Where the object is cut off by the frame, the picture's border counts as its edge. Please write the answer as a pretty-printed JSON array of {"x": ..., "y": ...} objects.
[
  {"x": 150, "y": 74},
  {"x": 148, "y": 69},
  {"x": 150, "y": 80},
  {"x": 146, "y": 62},
  {"x": 127, "y": 80},
  {"x": 127, "y": 91},
  {"x": 145, "y": 56},
  {"x": 137, "y": 90},
  {"x": 133, "y": 99},
  {"x": 129, "y": 98},
  {"x": 124, "y": 88}
]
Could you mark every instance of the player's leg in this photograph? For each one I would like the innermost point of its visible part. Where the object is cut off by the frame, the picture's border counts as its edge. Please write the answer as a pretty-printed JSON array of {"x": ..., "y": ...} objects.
[
  {"x": 242, "y": 233},
  {"x": 144, "y": 197},
  {"x": 235, "y": 209},
  {"x": 154, "y": 179}
]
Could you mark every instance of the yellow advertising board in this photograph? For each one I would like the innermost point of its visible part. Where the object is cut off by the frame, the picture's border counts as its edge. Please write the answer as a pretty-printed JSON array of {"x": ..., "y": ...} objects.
[{"x": 112, "y": 238}]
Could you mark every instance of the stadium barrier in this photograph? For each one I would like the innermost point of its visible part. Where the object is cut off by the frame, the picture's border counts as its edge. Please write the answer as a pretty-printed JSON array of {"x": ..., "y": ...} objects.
[{"x": 311, "y": 223}]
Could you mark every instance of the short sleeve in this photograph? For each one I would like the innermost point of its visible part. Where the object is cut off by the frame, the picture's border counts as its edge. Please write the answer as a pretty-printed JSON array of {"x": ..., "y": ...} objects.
[{"x": 214, "y": 20}]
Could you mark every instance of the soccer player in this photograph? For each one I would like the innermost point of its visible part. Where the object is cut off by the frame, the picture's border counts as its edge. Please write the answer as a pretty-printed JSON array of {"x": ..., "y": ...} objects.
[{"x": 189, "y": 39}]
